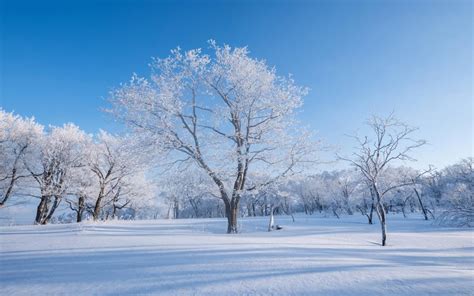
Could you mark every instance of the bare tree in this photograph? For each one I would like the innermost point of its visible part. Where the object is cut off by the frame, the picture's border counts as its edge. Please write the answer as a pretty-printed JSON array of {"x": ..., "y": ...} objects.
[{"x": 391, "y": 142}]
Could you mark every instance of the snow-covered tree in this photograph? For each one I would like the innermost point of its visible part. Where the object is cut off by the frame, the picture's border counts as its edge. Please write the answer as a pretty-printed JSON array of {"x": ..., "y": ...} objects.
[
  {"x": 458, "y": 194},
  {"x": 115, "y": 165},
  {"x": 227, "y": 112},
  {"x": 187, "y": 193},
  {"x": 82, "y": 188},
  {"x": 17, "y": 138},
  {"x": 59, "y": 153},
  {"x": 391, "y": 141},
  {"x": 308, "y": 189}
]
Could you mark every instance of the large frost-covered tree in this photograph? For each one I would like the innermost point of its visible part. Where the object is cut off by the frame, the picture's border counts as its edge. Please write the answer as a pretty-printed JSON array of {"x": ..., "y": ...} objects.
[{"x": 225, "y": 111}]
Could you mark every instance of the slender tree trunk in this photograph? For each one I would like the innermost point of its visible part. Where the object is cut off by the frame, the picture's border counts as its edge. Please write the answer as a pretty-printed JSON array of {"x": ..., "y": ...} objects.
[
  {"x": 346, "y": 203},
  {"x": 57, "y": 201},
  {"x": 383, "y": 222},
  {"x": 114, "y": 210},
  {"x": 98, "y": 206},
  {"x": 291, "y": 213},
  {"x": 96, "y": 213},
  {"x": 176, "y": 208},
  {"x": 369, "y": 218},
  {"x": 381, "y": 214},
  {"x": 13, "y": 177},
  {"x": 334, "y": 211},
  {"x": 403, "y": 211},
  {"x": 9, "y": 189},
  {"x": 41, "y": 210},
  {"x": 80, "y": 208},
  {"x": 423, "y": 209},
  {"x": 372, "y": 208},
  {"x": 271, "y": 221}
]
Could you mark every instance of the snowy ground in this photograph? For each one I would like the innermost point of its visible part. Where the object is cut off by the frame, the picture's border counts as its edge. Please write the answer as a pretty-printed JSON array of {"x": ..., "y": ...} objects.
[{"x": 314, "y": 256}]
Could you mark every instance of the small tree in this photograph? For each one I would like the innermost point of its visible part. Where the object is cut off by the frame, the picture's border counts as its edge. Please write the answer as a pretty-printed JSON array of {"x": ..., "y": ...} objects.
[{"x": 391, "y": 142}]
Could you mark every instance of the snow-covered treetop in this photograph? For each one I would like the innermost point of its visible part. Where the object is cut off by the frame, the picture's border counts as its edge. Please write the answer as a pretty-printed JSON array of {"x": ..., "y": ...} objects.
[{"x": 219, "y": 109}]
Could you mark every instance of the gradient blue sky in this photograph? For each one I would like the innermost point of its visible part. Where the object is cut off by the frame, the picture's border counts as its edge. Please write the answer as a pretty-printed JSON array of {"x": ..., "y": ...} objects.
[{"x": 59, "y": 60}]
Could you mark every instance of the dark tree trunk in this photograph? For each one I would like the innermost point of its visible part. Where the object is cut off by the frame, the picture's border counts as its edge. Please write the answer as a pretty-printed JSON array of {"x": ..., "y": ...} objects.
[
  {"x": 232, "y": 213},
  {"x": 334, "y": 211},
  {"x": 423, "y": 209},
  {"x": 372, "y": 206},
  {"x": 42, "y": 210},
  {"x": 9, "y": 189},
  {"x": 369, "y": 219},
  {"x": 403, "y": 211},
  {"x": 80, "y": 208},
  {"x": 383, "y": 222},
  {"x": 176, "y": 209},
  {"x": 97, "y": 208},
  {"x": 57, "y": 201},
  {"x": 114, "y": 210},
  {"x": 13, "y": 177}
]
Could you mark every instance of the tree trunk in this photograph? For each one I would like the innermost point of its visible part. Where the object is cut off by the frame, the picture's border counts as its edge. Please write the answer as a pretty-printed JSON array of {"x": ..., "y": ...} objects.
[
  {"x": 372, "y": 207},
  {"x": 383, "y": 223},
  {"x": 403, "y": 211},
  {"x": 114, "y": 211},
  {"x": 97, "y": 208},
  {"x": 10, "y": 188},
  {"x": 232, "y": 210},
  {"x": 57, "y": 201},
  {"x": 381, "y": 213},
  {"x": 423, "y": 209},
  {"x": 265, "y": 205},
  {"x": 41, "y": 210},
  {"x": 271, "y": 221},
  {"x": 334, "y": 211},
  {"x": 176, "y": 208},
  {"x": 13, "y": 177},
  {"x": 80, "y": 208}
]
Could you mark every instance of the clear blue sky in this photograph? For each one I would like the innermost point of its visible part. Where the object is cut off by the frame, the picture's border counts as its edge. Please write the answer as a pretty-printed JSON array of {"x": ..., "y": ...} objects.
[{"x": 59, "y": 60}]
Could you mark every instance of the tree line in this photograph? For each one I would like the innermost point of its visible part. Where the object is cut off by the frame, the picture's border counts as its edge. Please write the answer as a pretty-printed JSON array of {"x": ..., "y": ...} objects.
[
  {"x": 94, "y": 175},
  {"x": 214, "y": 133}
]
